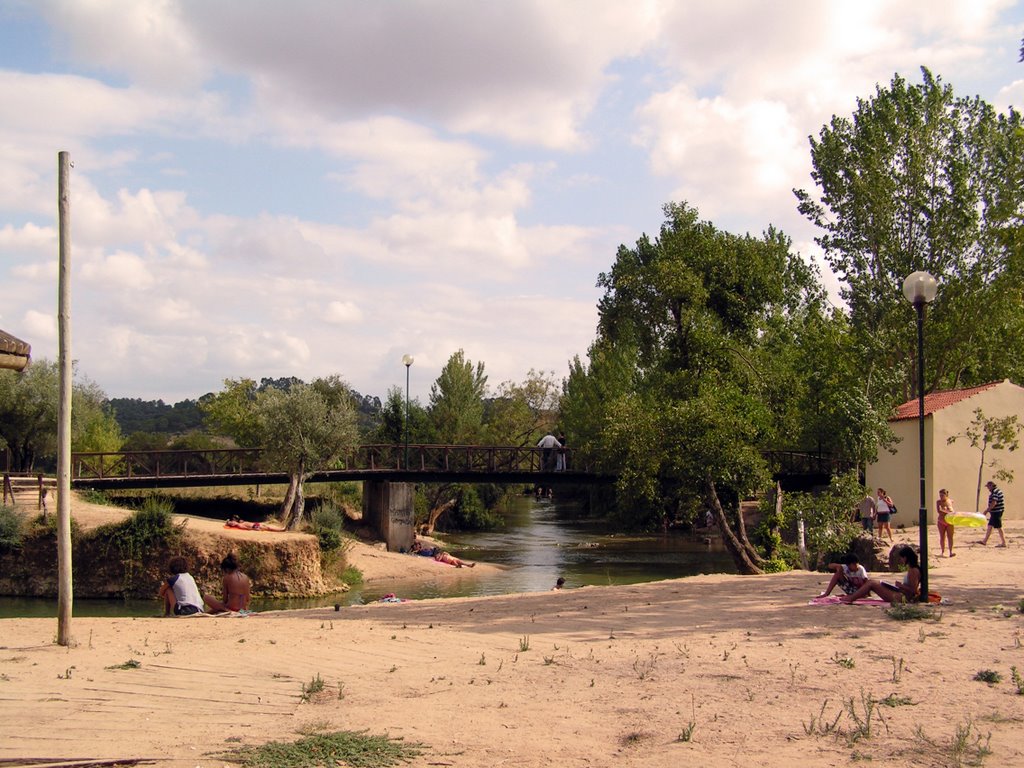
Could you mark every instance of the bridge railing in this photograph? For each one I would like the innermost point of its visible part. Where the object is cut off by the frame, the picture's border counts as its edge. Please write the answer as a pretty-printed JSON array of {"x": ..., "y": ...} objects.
[
  {"x": 244, "y": 461},
  {"x": 170, "y": 463}
]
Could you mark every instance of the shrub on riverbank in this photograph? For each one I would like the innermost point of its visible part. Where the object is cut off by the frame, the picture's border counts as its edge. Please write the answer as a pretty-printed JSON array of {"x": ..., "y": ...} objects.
[{"x": 10, "y": 530}]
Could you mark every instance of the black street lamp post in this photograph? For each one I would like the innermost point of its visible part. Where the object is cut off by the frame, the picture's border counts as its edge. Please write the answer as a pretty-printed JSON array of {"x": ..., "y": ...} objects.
[
  {"x": 920, "y": 289},
  {"x": 407, "y": 361}
]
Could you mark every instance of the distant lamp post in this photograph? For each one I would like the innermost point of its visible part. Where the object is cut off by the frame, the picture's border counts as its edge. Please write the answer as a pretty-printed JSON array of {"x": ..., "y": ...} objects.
[
  {"x": 407, "y": 361},
  {"x": 920, "y": 289}
]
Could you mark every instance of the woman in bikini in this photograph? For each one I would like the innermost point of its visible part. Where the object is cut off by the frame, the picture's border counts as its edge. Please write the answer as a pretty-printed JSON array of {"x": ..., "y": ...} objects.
[
  {"x": 236, "y": 522},
  {"x": 237, "y": 588},
  {"x": 943, "y": 507},
  {"x": 443, "y": 557},
  {"x": 907, "y": 591}
]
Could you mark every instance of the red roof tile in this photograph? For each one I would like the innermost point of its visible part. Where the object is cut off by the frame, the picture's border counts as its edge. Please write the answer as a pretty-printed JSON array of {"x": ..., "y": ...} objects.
[{"x": 936, "y": 401}]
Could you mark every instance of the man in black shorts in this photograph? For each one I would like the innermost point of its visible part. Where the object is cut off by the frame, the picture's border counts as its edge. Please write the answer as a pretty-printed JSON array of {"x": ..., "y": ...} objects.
[{"x": 995, "y": 514}]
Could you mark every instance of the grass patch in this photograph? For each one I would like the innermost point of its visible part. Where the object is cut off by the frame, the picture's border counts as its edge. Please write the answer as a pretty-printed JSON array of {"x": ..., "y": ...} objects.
[
  {"x": 913, "y": 612},
  {"x": 333, "y": 749},
  {"x": 989, "y": 676},
  {"x": 130, "y": 664}
]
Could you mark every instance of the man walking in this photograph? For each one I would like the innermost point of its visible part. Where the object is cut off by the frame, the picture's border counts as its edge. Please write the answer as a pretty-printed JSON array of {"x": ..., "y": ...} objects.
[
  {"x": 866, "y": 511},
  {"x": 995, "y": 514}
]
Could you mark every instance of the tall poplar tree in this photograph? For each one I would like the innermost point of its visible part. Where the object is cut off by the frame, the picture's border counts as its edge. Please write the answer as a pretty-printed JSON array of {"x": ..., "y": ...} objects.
[{"x": 920, "y": 179}]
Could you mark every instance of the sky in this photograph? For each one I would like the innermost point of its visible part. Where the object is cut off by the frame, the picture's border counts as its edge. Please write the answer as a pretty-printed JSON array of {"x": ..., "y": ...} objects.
[{"x": 314, "y": 187}]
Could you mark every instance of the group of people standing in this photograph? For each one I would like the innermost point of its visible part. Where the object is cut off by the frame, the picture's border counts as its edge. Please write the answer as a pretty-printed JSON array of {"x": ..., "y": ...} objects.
[
  {"x": 880, "y": 508},
  {"x": 877, "y": 509}
]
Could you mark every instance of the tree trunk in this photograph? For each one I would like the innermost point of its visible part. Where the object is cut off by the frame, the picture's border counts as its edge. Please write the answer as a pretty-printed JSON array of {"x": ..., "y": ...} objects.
[
  {"x": 740, "y": 556},
  {"x": 289, "y": 499},
  {"x": 741, "y": 534},
  {"x": 435, "y": 514},
  {"x": 294, "y": 506}
]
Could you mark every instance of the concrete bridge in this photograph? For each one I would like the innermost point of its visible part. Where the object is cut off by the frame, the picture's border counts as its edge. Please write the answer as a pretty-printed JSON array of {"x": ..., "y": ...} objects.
[{"x": 388, "y": 473}]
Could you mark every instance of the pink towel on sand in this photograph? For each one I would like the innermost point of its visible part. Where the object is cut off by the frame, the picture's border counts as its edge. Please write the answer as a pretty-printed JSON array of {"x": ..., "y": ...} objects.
[{"x": 834, "y": 600}]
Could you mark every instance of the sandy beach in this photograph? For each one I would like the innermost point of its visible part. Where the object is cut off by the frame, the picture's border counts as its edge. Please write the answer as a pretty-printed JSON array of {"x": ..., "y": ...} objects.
[{"x": 711, "y": 671}]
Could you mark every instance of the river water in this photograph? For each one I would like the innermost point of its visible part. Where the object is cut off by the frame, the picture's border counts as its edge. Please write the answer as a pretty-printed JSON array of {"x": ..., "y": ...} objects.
[{"x": 542, "y": 540}]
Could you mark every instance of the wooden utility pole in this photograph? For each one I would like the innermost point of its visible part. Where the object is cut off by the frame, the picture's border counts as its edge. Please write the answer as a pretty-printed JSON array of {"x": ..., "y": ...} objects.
[{"x": 64, "y": 593}]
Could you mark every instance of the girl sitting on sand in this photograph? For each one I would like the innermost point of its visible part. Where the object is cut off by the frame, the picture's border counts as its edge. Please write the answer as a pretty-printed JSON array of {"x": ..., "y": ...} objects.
[{"x": 908, "y": 590}]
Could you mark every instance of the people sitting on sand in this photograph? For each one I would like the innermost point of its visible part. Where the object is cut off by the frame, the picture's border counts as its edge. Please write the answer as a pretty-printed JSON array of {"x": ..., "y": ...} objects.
[
  {"x": 179, "y": 592},
  {"x": 908, "y": 589},
  {"x": 848, "y": 574},
  {"x": 236, "y": 522},
  {"x": 237, "y": 589}
]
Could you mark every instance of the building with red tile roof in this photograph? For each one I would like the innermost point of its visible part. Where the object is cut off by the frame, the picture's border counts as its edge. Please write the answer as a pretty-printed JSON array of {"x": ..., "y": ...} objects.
[{"x": 951, "y": 461}]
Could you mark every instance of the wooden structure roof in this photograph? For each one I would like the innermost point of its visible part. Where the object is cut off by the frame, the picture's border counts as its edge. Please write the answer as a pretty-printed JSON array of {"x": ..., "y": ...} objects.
[{"x": 14, "y": 353}]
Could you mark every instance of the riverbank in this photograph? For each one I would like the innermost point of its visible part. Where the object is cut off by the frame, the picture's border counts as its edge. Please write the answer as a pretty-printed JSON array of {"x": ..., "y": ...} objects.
[{"x": 711, "y": 670}]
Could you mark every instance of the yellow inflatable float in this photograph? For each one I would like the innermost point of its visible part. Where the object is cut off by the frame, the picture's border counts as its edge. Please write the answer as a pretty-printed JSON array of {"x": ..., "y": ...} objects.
[{"x": 967, "y": 519}]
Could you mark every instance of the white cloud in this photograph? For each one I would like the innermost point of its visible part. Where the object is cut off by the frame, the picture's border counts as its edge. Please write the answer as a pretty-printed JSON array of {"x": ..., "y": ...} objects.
[{"x": 118, "y": 270}]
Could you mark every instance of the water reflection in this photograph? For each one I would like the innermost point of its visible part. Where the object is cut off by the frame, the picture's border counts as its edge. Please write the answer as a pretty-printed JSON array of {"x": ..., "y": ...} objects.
[{"x": 542, "y": 540}]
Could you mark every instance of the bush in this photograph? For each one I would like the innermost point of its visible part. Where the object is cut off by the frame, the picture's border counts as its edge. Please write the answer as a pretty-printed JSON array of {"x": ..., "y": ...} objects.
[
  {"x": 10, "y": 530},
  {"x": 328, "y": 524},
  {"x": 149, "y": 528},
  {"x": 828, "y": 516}
]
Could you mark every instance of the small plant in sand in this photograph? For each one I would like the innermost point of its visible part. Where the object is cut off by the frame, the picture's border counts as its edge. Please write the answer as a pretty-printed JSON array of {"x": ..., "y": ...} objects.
[
  {"x": 483, "y": 660},
  {"x": 130, "y": 664},
  {"x": 862, "y": 722},
  {"x": 524, "y": 643},
  {"x": 1018, "y": 681},
  {"x": 330, "y": 749},
  {"x": 892, "y": 700},
  {"x": 686, "y": 735},
  {"x": 966, "y": 747},
  {"x": 312, "y": 688},
  {"x": 897, "y": 668},
  {"x": 819, "y": 725},
  {"x": 989, "y": 676},
  {"x": 644, "y": 667},
  {"x": 843, "y": 661}
]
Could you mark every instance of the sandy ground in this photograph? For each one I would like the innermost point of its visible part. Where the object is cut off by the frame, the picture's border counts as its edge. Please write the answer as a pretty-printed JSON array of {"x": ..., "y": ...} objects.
[{"x": 709, "y": 671}]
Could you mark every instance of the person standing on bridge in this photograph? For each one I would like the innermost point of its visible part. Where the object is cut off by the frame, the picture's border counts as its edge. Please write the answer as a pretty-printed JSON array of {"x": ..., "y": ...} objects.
[
  {"x": 562, "y": 459},
  {"x": 548, "y": 443}
]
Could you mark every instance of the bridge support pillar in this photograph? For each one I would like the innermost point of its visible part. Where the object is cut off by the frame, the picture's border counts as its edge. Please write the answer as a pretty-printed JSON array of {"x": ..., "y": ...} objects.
[{"x": 388, "y": 507}]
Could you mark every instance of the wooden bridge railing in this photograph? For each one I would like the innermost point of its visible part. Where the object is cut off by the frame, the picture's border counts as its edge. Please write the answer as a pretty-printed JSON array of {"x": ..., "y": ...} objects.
[{"x": 245, "y": 461}]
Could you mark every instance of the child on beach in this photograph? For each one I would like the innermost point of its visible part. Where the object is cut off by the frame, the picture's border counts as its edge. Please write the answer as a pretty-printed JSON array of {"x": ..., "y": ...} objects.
[
  {"x": 179, "y": 592},
  {"x": 848, "y": 574}
]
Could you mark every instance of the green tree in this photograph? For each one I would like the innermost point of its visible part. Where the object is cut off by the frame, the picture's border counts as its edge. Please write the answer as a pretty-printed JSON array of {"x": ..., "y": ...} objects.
[
  {"x": 696, "y": 305},
  {"x": 231, "y": 412},
  {"x": 301, "y": 428},
  {"x": 920, "y": 179},
  {"x": 391, "y": 426},
  {"x": 28, "y": 415},
  {"x": 457, "y": 401},
  {"x": 985, "y": 433},
  {"x": 522, "y": 412}
]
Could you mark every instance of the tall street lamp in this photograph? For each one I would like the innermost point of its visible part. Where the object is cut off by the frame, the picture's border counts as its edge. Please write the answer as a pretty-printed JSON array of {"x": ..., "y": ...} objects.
[
  {"x": 407, "y": 361},
  {"x": 920, "y": 289}
]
